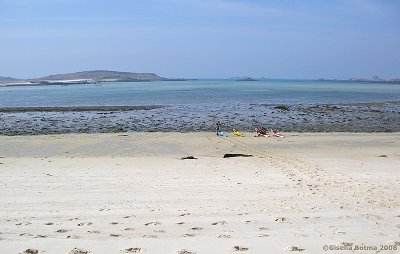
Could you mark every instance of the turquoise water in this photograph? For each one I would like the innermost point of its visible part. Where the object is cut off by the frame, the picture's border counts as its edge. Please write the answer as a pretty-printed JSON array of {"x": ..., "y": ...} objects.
[{"x": 199, "y": 92}]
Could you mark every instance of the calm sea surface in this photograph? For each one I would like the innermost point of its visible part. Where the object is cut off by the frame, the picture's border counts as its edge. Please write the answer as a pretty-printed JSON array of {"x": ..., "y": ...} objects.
[{"x": 199, "y": 92}]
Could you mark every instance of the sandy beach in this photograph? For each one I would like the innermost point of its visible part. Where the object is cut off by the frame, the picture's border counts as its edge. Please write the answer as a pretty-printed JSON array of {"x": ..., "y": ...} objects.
[{"x": 132, "y": 193}]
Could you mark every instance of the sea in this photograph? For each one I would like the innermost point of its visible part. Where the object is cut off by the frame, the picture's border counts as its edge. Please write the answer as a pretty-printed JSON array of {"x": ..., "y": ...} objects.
[
  {"x": 197, "y": 105},
  {"x": 199, "y": 92}
]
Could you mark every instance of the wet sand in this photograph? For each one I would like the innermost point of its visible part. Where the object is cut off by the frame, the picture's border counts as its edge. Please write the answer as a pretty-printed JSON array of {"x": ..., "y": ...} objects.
[{"x": 132, "y": 193}]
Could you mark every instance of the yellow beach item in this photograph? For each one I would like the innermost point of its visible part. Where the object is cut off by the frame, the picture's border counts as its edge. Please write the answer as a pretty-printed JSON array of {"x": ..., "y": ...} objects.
[{"x": 239, "y": 134}]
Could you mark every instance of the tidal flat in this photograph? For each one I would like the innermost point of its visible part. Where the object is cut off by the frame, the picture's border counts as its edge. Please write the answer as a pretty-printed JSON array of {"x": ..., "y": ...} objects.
[{"x": 359, "y": 117}]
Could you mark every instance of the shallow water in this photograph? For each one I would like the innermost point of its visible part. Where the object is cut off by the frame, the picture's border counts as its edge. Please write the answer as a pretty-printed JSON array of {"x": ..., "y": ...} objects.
[
  {"x": 198, "y": 92},
  {"x": 197, "y": 106}
]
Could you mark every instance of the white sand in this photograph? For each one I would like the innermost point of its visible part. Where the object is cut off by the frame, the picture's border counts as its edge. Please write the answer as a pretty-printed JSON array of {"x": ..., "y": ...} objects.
[{"x": 109, "y": 192}]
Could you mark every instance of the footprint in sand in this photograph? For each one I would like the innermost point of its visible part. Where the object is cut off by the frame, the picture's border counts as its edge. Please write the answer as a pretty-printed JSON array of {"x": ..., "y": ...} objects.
[
  {"x": 218, "y": 223},
  {"x": 281, "y": 219},
  {"x": 150, "y": 236},
  {"x": 338, "y": 232},
  {"x": 31, "y": 251},
  {"x": 197, "y": 228},
  {"x": 188, "y": 235},
  {"x": 160, "y": 231},
  {"x": 294, "y": 248},
  {"x": 186, "y": 252},
  {"x": 240, "y": 248},
  {"x": 73, "y": 237},
  {"x": 152, "y": 223},
  {"x": 129, "y": 229},
  {"x": 79, "y": 251},
  {"x": 94, "y": 231},
  {"x": 224, "y": 236},
  {"x": 62, "y": 231},
  {"x": 25, "y": 234},
  {"x": 84, "y": 223},
  {"x": 23, "y": 223},
  {"x": 41, "y": 236},
  {"x": 132, "y": 250},
  {"x": 115, "y": 235}
]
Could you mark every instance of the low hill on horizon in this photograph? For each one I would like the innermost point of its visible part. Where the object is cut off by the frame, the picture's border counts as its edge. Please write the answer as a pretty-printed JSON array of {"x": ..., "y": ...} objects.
[
  {"x": 8, "y": 79},
  {"x": 104, "y": 75}
]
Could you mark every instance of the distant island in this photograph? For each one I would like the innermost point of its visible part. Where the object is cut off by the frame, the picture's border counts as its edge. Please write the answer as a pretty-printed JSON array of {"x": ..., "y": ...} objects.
[
  {"x": 8, "y": 79},
  {"x": 245, "y": 78},
  {"x": 86, "y": 77},
  {"x": 105, "y": 76}
]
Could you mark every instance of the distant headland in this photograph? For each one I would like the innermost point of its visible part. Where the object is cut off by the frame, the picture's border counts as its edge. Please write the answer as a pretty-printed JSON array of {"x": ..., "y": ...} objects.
[{"x": 86, "y": 77}]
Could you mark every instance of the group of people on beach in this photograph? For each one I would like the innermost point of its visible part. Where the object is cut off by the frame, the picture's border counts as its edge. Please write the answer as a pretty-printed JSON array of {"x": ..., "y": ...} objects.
[{"x": 260, "y": 132}]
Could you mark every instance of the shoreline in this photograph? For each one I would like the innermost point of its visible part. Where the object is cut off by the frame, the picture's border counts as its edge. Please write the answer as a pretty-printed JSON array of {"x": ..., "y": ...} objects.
[
  {"x": 77, "y": 108},
  {"x": 198, "y": 144},
  {"x": 21, "y": 109}
]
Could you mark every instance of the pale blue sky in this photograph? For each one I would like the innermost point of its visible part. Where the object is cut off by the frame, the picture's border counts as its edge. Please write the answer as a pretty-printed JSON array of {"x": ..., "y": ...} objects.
[{"x": 202, "y": 38}]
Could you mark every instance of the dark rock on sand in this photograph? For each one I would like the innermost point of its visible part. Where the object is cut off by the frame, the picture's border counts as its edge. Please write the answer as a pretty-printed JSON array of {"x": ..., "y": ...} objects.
[
  {"x": 189, "y": 158},
  {"x": 230, "y": 155}
]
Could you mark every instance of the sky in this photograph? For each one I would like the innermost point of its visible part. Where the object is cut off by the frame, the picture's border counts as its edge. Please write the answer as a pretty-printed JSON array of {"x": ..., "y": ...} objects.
[{"x": 202, "y": 38}]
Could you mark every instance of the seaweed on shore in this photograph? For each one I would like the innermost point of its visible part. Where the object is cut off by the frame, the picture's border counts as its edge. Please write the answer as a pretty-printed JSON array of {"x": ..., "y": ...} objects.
[{"x": 281, "y": 107}]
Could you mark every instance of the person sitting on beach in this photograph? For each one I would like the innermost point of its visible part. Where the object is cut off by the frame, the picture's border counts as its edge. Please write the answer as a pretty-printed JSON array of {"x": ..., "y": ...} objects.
[{"x": 261, "y": 132}]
